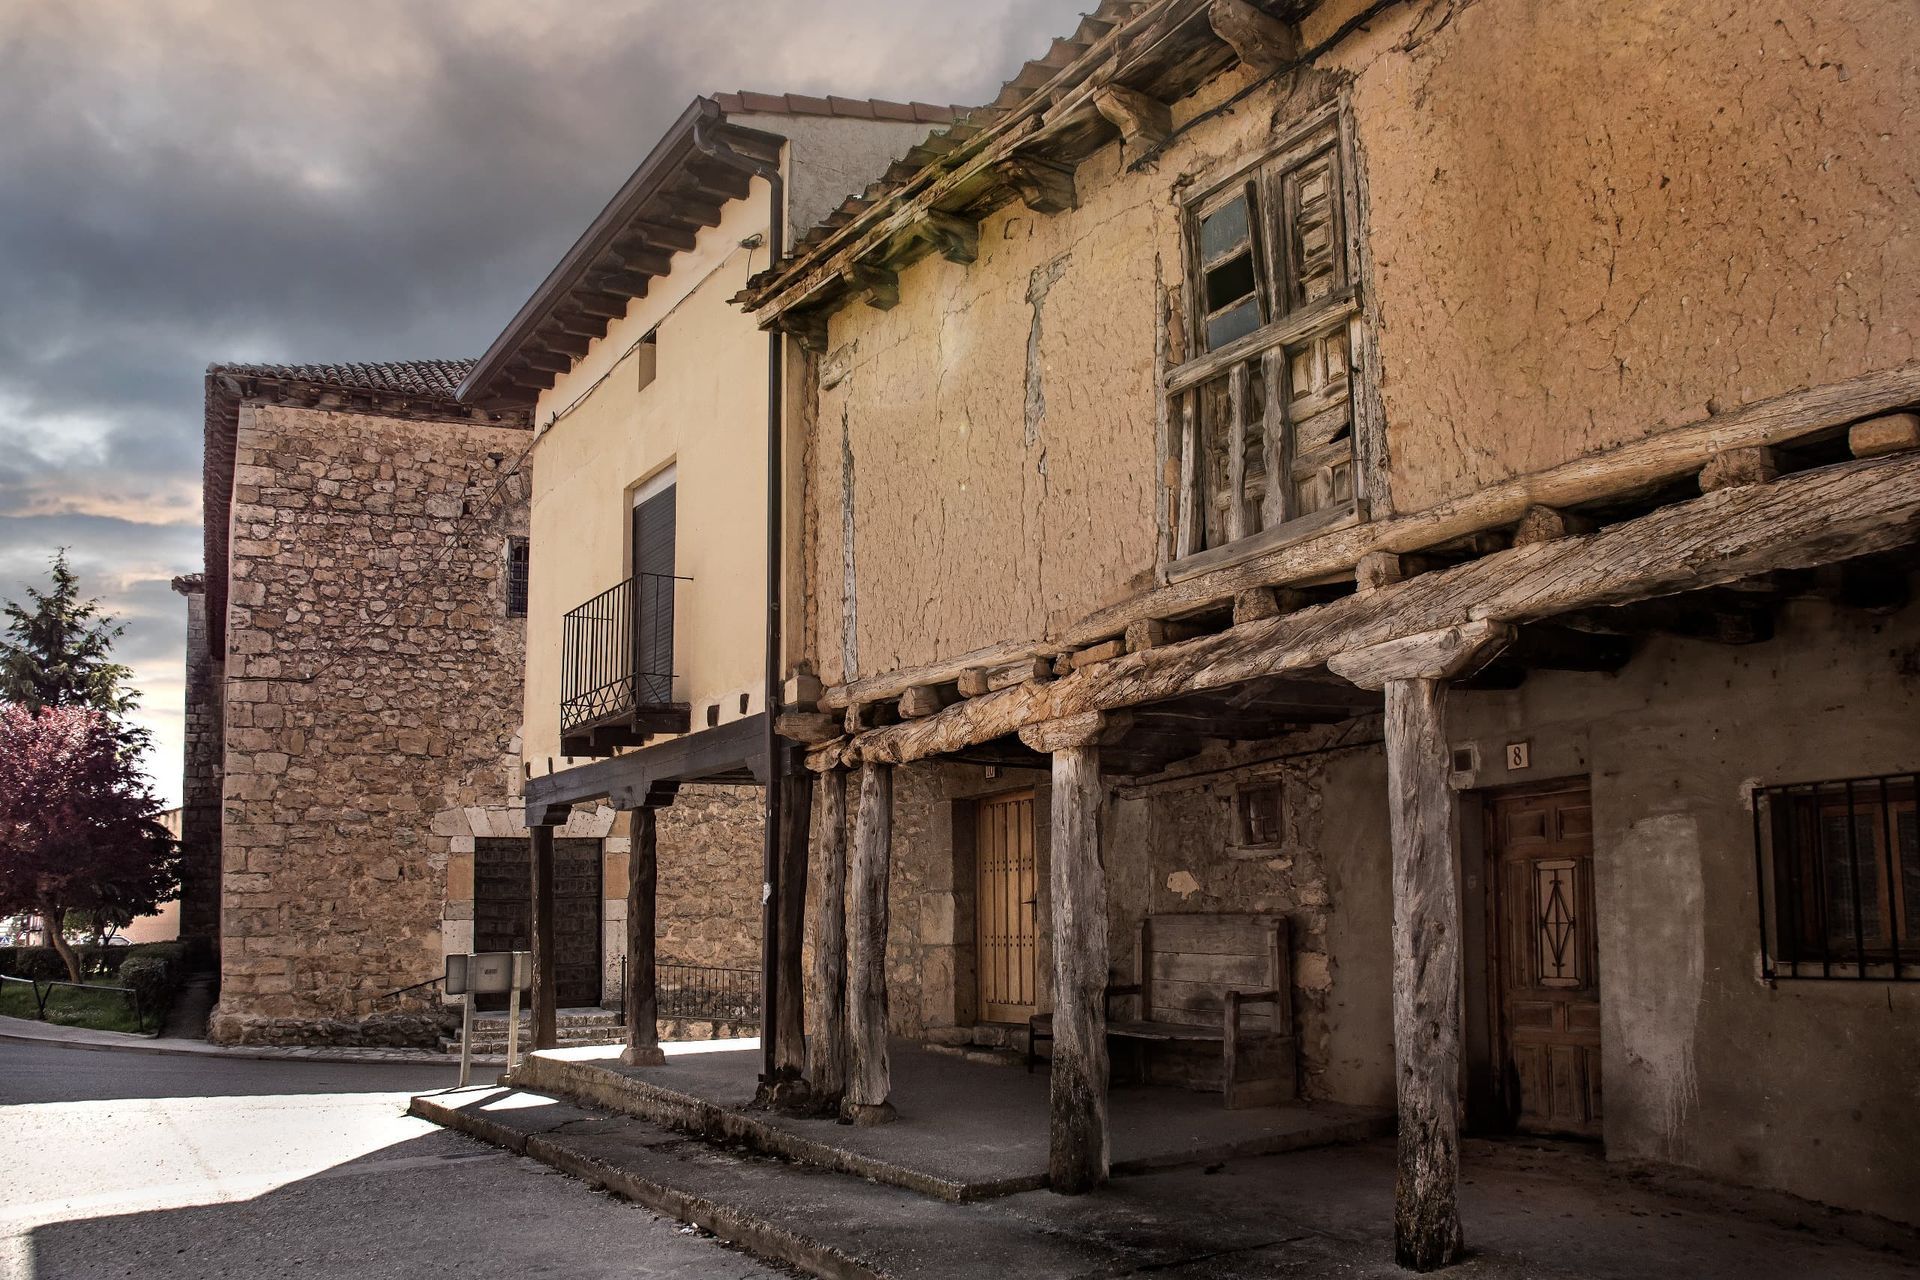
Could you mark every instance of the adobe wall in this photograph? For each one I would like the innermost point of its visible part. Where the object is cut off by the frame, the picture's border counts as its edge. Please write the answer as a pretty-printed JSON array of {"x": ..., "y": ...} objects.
[
  {"x": 372, "y": 684},
  {"x": 1580, "y": 228},
  {"x": 1807, "y": 1086}
]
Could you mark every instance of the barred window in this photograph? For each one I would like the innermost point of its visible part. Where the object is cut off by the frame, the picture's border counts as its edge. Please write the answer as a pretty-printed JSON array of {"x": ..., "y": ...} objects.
[
  {"x": 1259, "y": 815},
  {"x": 1263, "y": 410},
  {"x": 1839, "y": 878},
  {"x": 518, "y": 563}
]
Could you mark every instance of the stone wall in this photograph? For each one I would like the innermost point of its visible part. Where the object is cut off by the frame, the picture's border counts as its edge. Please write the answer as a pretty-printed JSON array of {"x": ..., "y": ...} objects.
[
  {"x": 372, "y": 682},
  {"x": 710, "y": 854},
  {"x": 201, "y": 767}
]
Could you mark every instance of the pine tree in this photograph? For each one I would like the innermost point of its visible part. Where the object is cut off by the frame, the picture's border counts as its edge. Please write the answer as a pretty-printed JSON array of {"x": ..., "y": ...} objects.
[{"x": 57, "y": 652}]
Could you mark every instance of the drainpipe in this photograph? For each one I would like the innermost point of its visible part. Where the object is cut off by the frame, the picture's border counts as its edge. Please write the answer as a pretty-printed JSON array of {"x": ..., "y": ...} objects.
[{"x": 770, "y": 844}]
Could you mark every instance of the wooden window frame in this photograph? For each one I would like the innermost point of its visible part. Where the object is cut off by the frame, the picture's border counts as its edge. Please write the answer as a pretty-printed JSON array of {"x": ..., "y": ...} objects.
[{"x": 1185, "y": 548}]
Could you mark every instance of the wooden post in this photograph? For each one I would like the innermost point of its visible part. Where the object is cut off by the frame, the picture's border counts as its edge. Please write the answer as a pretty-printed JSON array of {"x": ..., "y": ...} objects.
[
  {"x": 1426, "y": 926},
  {"x": 546, "y": 1021},
  {"x": 643, "y": 992},
  {"x": 790, "y": 1048},
  {"x": 869, "y": 1079},
  {"x": 827, "y": 1046},
  {"x": 1077, "y": 1143}
]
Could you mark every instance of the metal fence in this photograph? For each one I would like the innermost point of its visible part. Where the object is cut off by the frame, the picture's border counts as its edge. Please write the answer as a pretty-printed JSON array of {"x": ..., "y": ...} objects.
[
  {"x": 74, "y": 995},
  {"x": 714, "y": 994}
]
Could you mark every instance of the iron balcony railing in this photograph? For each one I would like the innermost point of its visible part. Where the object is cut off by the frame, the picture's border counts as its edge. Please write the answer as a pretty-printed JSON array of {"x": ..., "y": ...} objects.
[{"x": 616, "y": 652}]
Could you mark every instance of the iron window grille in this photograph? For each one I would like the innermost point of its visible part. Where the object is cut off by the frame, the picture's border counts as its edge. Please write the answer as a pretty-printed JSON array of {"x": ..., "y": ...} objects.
[
  {"x": 519, "y": 564},
  {"x": 1838, "y": 873}
]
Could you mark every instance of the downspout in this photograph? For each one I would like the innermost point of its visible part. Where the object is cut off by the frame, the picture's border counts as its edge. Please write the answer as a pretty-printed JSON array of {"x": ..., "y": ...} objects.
[{"x": 770, "y": 843}]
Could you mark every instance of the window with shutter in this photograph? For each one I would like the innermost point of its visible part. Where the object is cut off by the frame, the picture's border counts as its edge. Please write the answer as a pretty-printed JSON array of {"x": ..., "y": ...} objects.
[{"x": 1264, "y": 407}]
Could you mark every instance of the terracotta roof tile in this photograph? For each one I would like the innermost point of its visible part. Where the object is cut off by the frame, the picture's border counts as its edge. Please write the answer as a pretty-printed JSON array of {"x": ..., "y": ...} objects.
[
  {"x": 746, "y": 102},
  {"x": 433, "y": 378}
]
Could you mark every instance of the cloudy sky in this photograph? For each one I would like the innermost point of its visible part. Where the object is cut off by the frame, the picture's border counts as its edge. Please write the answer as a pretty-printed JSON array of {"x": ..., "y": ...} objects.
[{"x": 191, "y": 181}]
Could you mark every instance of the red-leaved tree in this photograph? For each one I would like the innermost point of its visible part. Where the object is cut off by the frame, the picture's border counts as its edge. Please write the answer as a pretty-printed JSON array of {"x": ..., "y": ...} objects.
[{"x": 78, "y": 828}]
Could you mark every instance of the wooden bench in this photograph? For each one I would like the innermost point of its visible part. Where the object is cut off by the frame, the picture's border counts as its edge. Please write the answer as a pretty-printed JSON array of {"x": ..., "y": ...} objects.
[{"x": 1204, "y": 981}]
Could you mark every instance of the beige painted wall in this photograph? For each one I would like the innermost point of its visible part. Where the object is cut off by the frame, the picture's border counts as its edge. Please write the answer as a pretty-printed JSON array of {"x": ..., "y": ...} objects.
[
  {"x": 705, "y": 414},
  {"x": 1584, "y": 228}
]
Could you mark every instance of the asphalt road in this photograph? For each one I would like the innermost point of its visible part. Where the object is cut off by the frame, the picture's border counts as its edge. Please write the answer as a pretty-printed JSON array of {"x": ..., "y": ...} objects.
[{"x": 131, "y": 1164}]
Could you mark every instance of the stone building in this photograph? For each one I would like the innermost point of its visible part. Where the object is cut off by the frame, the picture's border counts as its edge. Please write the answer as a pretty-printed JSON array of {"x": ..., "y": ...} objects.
[
  {"x": 1435, "y": 481},
  {"x": 659, "y": 413}
]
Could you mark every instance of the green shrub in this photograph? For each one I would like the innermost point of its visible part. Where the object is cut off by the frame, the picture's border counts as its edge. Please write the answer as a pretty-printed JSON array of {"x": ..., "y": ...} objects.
[
  {"x": 42, "y": 964},
  {"x": 151, "y": 979}
]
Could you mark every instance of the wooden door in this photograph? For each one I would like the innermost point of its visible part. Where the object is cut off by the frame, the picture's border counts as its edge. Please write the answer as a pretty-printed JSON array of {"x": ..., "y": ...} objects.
[
  {"x": 503, "y": 912},
  {"x": 1545, "y": 961},
  {"x": 1008, "y": 886}
]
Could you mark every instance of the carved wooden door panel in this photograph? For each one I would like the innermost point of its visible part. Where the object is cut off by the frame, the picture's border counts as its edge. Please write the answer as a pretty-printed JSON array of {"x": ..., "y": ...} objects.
[
  {"x": 576, "y": 923},
  {"x": 1547, "y": 975},
  {"x": 1008, "y": 886}
]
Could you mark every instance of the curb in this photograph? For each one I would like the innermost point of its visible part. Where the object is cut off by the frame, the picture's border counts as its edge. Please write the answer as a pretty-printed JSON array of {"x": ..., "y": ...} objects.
[
  {"x": 191, "y": 1050},
  {"x": 752, "y": 1232}
]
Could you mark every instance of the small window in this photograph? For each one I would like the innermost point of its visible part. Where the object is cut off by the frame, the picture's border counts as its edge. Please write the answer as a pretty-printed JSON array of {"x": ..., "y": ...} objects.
[
  {"x": 1258, "y": 813},
  {"x": 647, "y": 360},
  {"x": 518, "y": 561},
  {"x": 1840, "y": 878},
  {"x": 1229, "y": 271}
]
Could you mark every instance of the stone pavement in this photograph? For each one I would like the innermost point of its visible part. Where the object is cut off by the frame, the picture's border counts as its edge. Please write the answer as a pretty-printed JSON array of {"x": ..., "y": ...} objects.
[
  {"x": 1532, "y": 1210},
  {"x": 27, "y": 1031}
]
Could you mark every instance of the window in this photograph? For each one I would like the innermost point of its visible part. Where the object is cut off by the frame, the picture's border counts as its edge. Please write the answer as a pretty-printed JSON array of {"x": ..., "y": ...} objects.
[
  {"x": 518, "y": 560},
  {"x": 1839, "y": 878},
  {"x": 646, "y": 360},
  {"x": 1264, "y": 408},
  {"x": 1257, "y": 815}
]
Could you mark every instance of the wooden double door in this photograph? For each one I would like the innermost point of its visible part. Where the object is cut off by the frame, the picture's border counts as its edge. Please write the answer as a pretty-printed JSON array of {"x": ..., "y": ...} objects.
[
  {"x": 1545, "y": 961},
  {"x": 503, "y": 912},
  {"x": 1005, "y": 906}
]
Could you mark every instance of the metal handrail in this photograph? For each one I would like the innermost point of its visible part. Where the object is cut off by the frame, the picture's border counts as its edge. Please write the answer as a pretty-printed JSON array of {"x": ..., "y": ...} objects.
[
  {"x": 40, "y": 997},
  {"x": 616, "y": 651},
  {"x": 400, "y": 991}
]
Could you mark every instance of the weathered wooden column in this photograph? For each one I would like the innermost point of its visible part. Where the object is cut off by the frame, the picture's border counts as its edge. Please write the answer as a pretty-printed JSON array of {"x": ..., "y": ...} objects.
[
  {"x": 869, "y": 1076},
  {"x": 546, "y": 1021},
  {"x": 827, "y": 1045},
  {"x": 643, "y": 992},
  {"x": 1077, "y": 1144},
  {"x": 790, "y": 1021},
  {"x": 1426, "y": 926}
]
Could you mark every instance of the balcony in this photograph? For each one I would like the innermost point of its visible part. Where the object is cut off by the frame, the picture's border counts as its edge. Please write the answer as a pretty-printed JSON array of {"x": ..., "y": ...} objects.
[{"x": 616, "y": 668}]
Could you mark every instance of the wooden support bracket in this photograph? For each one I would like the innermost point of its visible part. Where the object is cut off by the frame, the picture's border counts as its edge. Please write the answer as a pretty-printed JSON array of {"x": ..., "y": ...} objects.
[
  {"x": 1378, "y": 569},
  {"x": 1890, "y": 434},
  {"x": 954, "y": 238},
  {"x": 1256, "y": 603},
  {"x": 1730, "y": 467},
  {"x": 1105, "y": 651},
  {"x": 1262, "y": 41},
  {"x": 1548, "y": 524},
  {"x": 881, "y": 286},
  {"x": 808, "y": 328},
  {"x": 1151, "y": 633},
  {"x": 1141, "y": 120},
  {"x": 1044, "y": 187},
  {"x": 808, "y": 727},
  {"x": 924, "y": 700}
]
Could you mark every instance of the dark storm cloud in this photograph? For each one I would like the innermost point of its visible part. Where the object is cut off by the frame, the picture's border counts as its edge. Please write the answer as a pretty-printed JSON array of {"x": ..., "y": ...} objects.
[{"x": 191, "y": 181}]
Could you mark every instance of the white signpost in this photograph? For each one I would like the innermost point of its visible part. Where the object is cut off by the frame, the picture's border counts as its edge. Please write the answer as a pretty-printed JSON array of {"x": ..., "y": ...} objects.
[{"x": 489, "y": 973}]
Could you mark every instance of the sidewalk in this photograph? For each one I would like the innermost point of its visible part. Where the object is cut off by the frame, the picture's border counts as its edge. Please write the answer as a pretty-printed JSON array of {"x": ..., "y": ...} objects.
[
  {"x": 1532, "y": 1210},
  {"x": 28, "y": 1031}
]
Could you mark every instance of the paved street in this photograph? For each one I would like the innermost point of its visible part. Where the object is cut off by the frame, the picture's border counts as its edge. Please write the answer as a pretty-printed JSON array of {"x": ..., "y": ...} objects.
[{"x": 130, "y": 1164}]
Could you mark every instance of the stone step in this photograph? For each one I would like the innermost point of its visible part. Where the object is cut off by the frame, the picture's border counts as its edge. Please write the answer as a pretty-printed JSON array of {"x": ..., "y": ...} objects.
[{"x": 494, "y": 1040}]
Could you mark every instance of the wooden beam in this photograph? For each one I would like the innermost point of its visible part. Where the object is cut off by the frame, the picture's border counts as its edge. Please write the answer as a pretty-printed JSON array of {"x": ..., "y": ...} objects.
[
  {"x": 1105, "y": 651},
  {"x": 1077, "y": 1141},
  {"x": 973, "y": 683},
  {"x": 1753, "y": 465},
  {"x": 925, "y": 700},
  {"x": 1890, "y": 434},
  {"x": 1547, "y": 524},
  {"x": 1455, "y": 651},
  {"x": 546, "y": 1022},
  {"x": 1043, "y": 186},
  {"x": 642, "y": 258},
  {"x": 1141, "y": 120},
  {"x": 1151, "y": 633},
  {"x": 601, "y": 306},
  {"x": 827, "y": 1046},
  {"x": 808, "y": 328},
  {"x": 790, "y": 1039},
  {"x": 881, "y": 286},
  {"x": 1378, "y": 569},
  {"x": 1255, "y": 603},
  {"x": 1805, "y": 519},
  {"x": 1426, "y": 976},
  {"x": 643, "y": 999},
  {"x": 810, "y": 728},
  {"x": 869, "y": 1076},
  {"x": 1261, "y": 41}
]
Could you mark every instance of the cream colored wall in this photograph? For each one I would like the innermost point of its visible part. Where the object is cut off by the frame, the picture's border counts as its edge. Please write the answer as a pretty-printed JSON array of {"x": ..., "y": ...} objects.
[
  {"x": 705, "y": 413},
  {"x": 1583, "y": 228}
]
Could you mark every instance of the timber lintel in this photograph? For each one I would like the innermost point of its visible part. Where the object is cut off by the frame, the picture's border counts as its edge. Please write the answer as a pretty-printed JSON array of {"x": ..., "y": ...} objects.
[{"x": 1432, "y": 655}]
